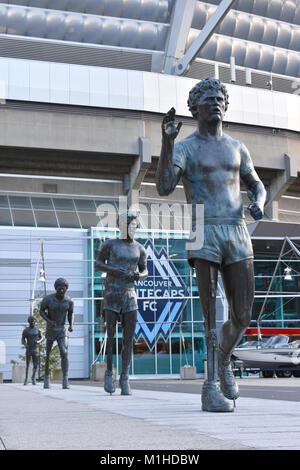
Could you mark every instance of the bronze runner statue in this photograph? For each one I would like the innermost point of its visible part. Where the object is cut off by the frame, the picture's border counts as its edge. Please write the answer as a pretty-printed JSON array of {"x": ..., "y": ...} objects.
[
  {"x": 31, "y": 339},
  {"x": 120, "y": 258},
  {"x": 212, "y": 165},
  {"x": 56, "y": 309}
]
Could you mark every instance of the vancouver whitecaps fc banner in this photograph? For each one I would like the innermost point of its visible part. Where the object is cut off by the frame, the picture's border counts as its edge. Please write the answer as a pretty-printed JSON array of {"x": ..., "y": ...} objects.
[{"x": 161, "y": 297}]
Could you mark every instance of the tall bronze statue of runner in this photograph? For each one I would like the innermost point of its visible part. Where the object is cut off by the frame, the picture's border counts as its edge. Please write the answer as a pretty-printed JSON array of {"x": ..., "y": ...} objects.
[{"x": 212, "y": 165}]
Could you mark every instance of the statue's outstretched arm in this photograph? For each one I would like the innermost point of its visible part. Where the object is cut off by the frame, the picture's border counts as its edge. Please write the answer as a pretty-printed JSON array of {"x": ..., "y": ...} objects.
[{"x": 168, "y": 174}]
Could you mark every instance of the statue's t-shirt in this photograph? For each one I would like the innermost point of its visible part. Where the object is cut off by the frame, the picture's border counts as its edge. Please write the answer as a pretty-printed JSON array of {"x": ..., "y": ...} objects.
[
  {"x": 32, "y": 336},
  {"x": 57, "y": 311},
  {"x": 211, "y": 170},
  {"x": 119, "y": 294}
]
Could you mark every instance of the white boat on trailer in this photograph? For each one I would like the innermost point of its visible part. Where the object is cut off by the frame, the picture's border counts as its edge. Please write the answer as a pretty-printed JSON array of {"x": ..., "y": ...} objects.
[{"x": 269, "y": 355}]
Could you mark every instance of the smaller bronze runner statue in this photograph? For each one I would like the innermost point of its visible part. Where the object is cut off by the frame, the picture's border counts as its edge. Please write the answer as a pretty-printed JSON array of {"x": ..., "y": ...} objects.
[
  {"x": 31, "y": 339},
  {"x": 120, "y": 258},
  {"x": 55, "y": 309}
]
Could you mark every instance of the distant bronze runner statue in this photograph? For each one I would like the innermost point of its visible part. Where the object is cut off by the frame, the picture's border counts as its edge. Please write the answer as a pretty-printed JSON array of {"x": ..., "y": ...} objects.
[
  {"x": 125, "y": 261},
  {"x": 31, "y": 339},
  {"x": 56, "y": 309},
  {"x": 211, "y": 165}
]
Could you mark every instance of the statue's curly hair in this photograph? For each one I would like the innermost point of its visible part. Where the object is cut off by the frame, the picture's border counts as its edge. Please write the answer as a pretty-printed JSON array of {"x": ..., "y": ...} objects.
[
  {"x": 200, "y": 88},
  {"x": 61, "y": 280}
]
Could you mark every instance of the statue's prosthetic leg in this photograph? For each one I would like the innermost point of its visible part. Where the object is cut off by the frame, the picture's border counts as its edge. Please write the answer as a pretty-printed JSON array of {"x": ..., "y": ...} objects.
[
  {"x": 128, "y": 326},
  {"x": 212, "y": 398},
  {"x": 35, "y": 362},
  {"x": 49, "y": 345},
  {"x": 27, "y": 368},
  {"x": 111, "y": 318},
  {"x": 63, "y": 349},
  {"x": 207, "y": 278}
]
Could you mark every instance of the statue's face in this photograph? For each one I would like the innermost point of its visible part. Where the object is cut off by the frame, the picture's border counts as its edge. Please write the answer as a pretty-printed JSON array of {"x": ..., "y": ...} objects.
[
  {"x": 32, "y": 322},
  {"x": 132, "y": 228},
  {"x": 61, "y": 289},
  {"x": 211, "y": 106}
]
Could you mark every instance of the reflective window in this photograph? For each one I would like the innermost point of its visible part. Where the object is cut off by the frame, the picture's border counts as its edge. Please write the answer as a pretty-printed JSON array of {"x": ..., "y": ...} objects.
[
  {"x": 20, "y": 202},
  {"x": 23, "y": 218},
  {"x": 45, "y": 218},
  {"x": 3, "y": 201},
  {"x": 164, "y": 303},
  {"x": 57, "y": 212},
  {"x": 85, "y": 205},
  {"x": 5, "y": 217},
  {"x": 68, "y": 219},
  {"x": 42, "y": 203},
  {"x": 63, "y": 204},
  {"x": 88, "y": 219}
]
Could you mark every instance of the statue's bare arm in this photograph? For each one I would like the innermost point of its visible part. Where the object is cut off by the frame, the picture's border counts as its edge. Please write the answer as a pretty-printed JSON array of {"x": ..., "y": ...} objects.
[
  {"x": 40, "y": 337},
  {"x": 168, "y": 174},
  {"x": 256, "y": 190},
  {"x": 44, "y": 313},
  {"x": 24, "y": 339},
  {"x": 142, "y": 267},
  {"x": 71, "y": 316}
]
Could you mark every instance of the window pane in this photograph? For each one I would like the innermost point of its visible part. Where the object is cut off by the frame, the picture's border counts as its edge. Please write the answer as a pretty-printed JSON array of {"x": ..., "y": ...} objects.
[
  {"x": 88, "y": 219},
  {"x": 45, "y": 219},
  {"x": 42, "y": 203},
  {"x": 20, "y": 202},
  {"x": 68, "y": 219},
  {"x": 64, "y": 204},
  {"x": 144, "y": 359},
  {"x": 3, "y": 201},
  {"x": 5, "y": 218},
  {"x": 23, "y": 218},
  {"x": 85, "y": 205}
]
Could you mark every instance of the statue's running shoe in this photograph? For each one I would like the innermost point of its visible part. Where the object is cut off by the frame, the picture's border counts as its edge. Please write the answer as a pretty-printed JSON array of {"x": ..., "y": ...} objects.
[
  {"x": 109, "y": 384},
  {"x": 228, "y": 383},
  {"x": 213, "y": 400}
]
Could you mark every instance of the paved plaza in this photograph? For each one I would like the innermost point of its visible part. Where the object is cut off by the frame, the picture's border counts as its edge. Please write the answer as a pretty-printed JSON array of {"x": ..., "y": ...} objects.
[{"x": 87, "y": 418}]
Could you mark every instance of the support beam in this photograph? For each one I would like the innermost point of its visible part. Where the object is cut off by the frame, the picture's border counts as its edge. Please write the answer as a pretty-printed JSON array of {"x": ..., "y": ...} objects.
[
  {"x": 181, "y": 21},
  {"x": 279, "y": 186},
  {"x": 133, "y": 180},
  {"x": 203, "y": 37}
]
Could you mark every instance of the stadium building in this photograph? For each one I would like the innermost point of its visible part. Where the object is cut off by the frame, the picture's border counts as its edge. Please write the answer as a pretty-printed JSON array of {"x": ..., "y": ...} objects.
[{"x": 84, "y": 85}]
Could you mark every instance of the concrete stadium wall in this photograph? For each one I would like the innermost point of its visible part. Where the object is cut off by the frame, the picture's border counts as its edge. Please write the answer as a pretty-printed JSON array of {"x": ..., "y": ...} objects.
[{"x": 145, "y": 91}]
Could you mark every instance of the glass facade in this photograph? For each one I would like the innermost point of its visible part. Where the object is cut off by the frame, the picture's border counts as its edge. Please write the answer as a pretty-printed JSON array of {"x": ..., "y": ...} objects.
[
  {"x": 170, "y": 327},
  {"x": 282, "y": 308},
  {"x": 56, "y": 212}
]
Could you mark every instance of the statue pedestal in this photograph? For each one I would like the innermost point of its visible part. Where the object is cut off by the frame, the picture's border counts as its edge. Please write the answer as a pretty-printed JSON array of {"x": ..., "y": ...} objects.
[
  {"x": 18, "y": 373},
  {"x": 188, "y": 373},
  {"x": 98, "y": 371}
]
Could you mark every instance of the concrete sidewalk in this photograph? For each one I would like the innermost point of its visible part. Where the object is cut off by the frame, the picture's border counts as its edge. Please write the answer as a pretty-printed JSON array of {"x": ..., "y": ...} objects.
[{"x": 86, "y": 418}]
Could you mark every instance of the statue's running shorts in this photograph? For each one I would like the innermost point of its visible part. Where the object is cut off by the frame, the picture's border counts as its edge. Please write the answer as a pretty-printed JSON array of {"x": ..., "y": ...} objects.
[
  {"x": 120, "y": 301},
  {"x": 224, "y": 243},
  {"x": 56, "y": 332}
]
